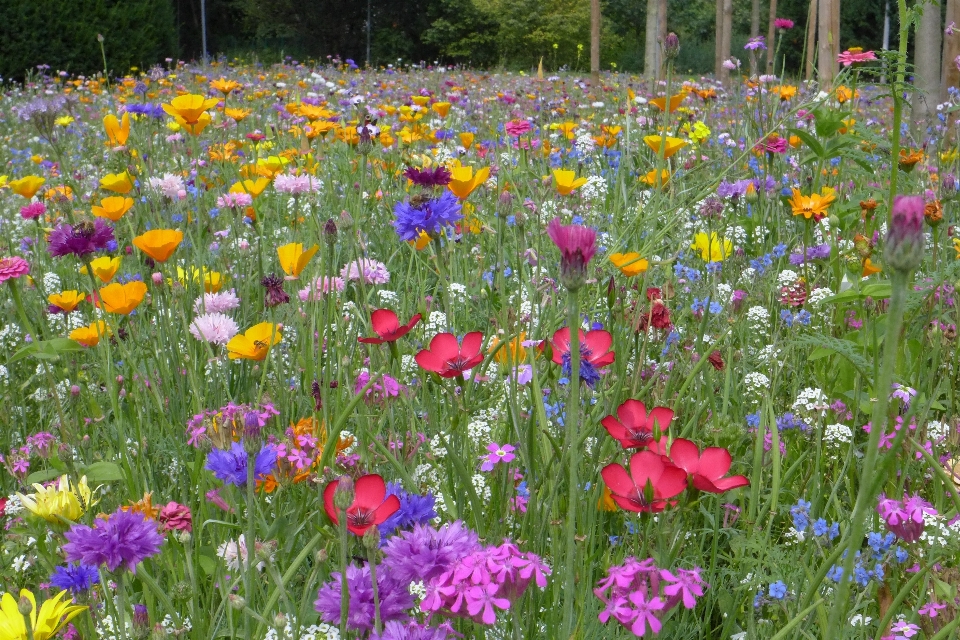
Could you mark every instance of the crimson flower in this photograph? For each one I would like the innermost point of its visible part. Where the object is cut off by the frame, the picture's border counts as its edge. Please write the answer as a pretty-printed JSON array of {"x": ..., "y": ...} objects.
[
  {"x": 634, "y": 429},
  {"x": 577, "y": 246},
  {"x": 594, "y": 353},
  {"x": 648, "y": 470},
  {"x": 371, "y": 504},
  {"x": 449, "y": 359},
  {"x": 705, "y": 469},
  {"x": 387, "y": 326}
]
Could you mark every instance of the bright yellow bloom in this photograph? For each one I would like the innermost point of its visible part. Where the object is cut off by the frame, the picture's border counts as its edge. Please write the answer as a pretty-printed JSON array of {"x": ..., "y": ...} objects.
[
  {"x": 103, "y": 267},
  {"x": 255, "y": 342},
  {"x": 159, "y": 244},
  {"x": 45, "y": 623},
  {"x": 117, "y": 182},
  {"x": 64, "y": 121},
  {"x": 845, "y": 93},
  {"x": 27, "y": 186},
  {"x": 253, "y": 187},
  {"x": 700, "y": 132},
  {"x": 112, "y": 208},
  {"x": 423, "y": 241},
  {"x": 236, "y": 115},
  {"x": 629, "y": 264},
  {"x": 466, "y": 139},
  {"x": 785, "y": 91},
  {"x": 60, "y": 193},
  {"x": 293, "y": 258},
  {"x": 670, "y": 147},
  {"x": 122, "y": 298},
  {"x": 117, "y": 130},
  {"x": 89, "y": 336},
  {"x": 566, "y": 181},
  {"x": 512, "y": 353},
  {"x": 650, "y": 177},
  {"x": 463, "y": 181},
  {"x": 813, "y": 206},
  {"x": 712, "y": 248},
  {"x": 58, "y": 501},
  {"x": 956, "y": 247},
  {"x": 66, "y": 300},
  {"x": 189, "y": 108},
  {"x": 441, "y": 108},
  {"x": 212, "y": 280}
]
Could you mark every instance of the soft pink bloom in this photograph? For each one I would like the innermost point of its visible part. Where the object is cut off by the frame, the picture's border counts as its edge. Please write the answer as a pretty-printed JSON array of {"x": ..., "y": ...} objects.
[
  {"x": 170, "y": 185},
  {"x": 295, "y": 185},
  {"x": 516, "y": 128},
  {"x": 13, "y": 267},
  {"x": 497, "y": 454},
  {"x": 234, "y": 200},
  {"x": 216, "y": 302},
  {"x": 373, "y": 272},
  {"x": 848, "y": 57},
  {"x": 323, "y": 286},
  {"x": 577, "y": 246},
  {"x": 215, "y": 328},
  {"x": 213, "y": 497},
  {"x": 33, "y": 210},
  {"x": 175, "y": 517}
]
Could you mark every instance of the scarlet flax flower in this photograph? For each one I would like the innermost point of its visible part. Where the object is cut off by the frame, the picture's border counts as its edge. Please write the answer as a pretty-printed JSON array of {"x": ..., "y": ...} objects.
[
  {"x": 387, "y": 327},
  {"x": 371, "y": 504},
  {"x": 633, "y": 427},
  {"x": 594, "y": 353},
  {"x": 447, "y": 358},
  {"x": 706, "y": 470},
  {"x": 648, "y": 486}
]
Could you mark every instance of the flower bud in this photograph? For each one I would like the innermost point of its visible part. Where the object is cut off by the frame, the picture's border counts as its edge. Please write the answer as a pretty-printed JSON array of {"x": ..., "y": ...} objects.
[
  {"x": 671, "y": 46},
  {"x": 371, "y": 538},
  {"x": 344, "y": 493},
  {"x": 24, "y": 606},
  {"x": 141, "y": 618},
  {"x": 237, "y": 602},
  {"x": 904, "y": 245},
  {"x": 330, "y": 231},
  {"x": 346, "y": 220}
]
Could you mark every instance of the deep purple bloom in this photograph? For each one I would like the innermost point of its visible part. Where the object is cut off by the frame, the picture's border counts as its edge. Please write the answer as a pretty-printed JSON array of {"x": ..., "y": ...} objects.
[
  {"x": 414, "y": 509},
  {"x": 80, "y": 240},
  {"x": 415, "y": 216},
  {"x": 231, "y": 466},
  {"x": 395, "y": 599},
  {"x": 394, "y": 630},
  {"x": 75, "y": 578},
  {"x": 438, "y": 176},
  {"x": 125, "y": 538},
  {"x": 425, "y": 552}
]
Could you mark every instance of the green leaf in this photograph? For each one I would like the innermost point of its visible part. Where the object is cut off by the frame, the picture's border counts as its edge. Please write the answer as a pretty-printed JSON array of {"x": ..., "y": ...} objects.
[
  {"x": 808, "y": 140},
  {"x": 47, "y": 349},
  {"x": 102, "y": 472}
]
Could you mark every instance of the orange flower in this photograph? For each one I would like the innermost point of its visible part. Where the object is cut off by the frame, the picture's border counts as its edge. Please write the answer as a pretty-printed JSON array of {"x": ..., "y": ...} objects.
[
  {"x": 66, "y": 300},
  {"x": 89, "y": 336},
  {"x": 224, "y": 86},
  {"x": 293, "y": 258},
  {"x": 112, "y": 208},
  {"x": 466, "y": 139},
  {"x": 27, "y": 186},
  {"x": 441, "y": 108},
  {"x": 254, "y": 343},
  {"x": 117, "y": 131},
  {"x": 845, "y": 93},
  {"x": 510, "y": 354},
  {"x": 785, "y": 91},
  {"x": 159, "y": 244},
  {"x": 675, "y": 101},
  {"x": 909, "y": 160},
  {"x": 869, "y": 268},
  {"x": 236, "y": 115},
  {"x": 122, "y": 298},
  {"x": 629, "y": 264},
  {"x": 813, "y": 206},
  {"x": 650, "y": 178},
  {"x": 670, "y": 147},
  {"x": 144, "y": 507}
]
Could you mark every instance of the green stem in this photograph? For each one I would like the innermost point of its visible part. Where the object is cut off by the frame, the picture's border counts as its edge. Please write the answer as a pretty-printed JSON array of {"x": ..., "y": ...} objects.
[
  {"x": 372, "y": 556},
  {"x": 571, "y": 453},
  {"x": 344, "y": 592},
  {"x": 898, "y": 99},
  {"x": 250, "y": 542}
]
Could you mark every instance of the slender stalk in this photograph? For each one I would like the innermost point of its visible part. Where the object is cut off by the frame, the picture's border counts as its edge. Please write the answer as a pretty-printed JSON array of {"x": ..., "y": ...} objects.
[
  {"x": 572, "y": 454},
  {"x": 372, "y": 557},
  {"x": 250, "y": 544},
  {"x": 344, "y": 591}
]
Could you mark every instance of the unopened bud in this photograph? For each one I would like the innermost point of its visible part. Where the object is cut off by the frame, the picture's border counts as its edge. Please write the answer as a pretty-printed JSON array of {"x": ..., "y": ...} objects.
[
  {"x": 904, "y": 245},
  {"x": 611, "y": 293},
  {"x": 343, "y": 494},
  {"x": 346, "y": 220},
  {"x": 371, "y": 538},
  {"x": 671, "y": 46},
  {"x": 330, "y": 231},
  {"x": 321, "y": 556},
  {"x": 237, "y": 602},
  {"x": 279, "y": 621},
  {"x": 158, "y": 633},
  {"x": 24, "y": 606}
]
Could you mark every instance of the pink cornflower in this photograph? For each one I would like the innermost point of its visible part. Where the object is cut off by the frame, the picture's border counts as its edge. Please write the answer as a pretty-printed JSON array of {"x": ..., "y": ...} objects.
[
  {"x": 33, "y": 210},
  {"x": 215, "y": 328},
  {"x": 516, "y": 128},
  {"x": 171, "y": 186},
  {"x": 783, "y": 23},
  {"x": 216, "y": 302},
  {"x": 322, "y": 287},
  {"x": 372, "y": 271},
  {"x": 496, "y": 455},
  {"x": 295, "y": 185},
  {"x": 577, "y": 246},
  {"x": 13, "y": 267},
  {"x": 852, "y": 56},
  {"x": 235, "y": 200}
]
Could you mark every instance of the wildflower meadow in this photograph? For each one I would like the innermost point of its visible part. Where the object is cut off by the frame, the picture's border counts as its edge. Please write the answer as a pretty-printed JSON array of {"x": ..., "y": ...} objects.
[{"x": 314, "y": 351}]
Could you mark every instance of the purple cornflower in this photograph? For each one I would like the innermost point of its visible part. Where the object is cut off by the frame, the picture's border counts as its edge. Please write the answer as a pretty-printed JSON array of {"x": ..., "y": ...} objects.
[
  {"x": 438, "y": 176},
  {"x": 425, "y": 552},
  {"x": 496, "y": 455},
  {"x": 394, "y": 630},
  {"x": 124, "y": 538},
  {"x": 231, "y": 466},
  {"x": 414, "y": 509},
  {"x": 82, "y": 239},
  {"x": 75, "y": 578},
  {"x": 431, "y": 216},
  {"x": 816, "y": 252},
  {"x": 394, "y": 597},
  {"x": 756, "y": 43}
]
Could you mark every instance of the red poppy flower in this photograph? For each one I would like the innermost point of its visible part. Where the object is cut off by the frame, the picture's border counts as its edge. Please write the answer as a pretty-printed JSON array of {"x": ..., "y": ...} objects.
[
  {"x": 706, "y": 469},
  {"x": 629, "y": 490},
  {"x": 371, "y": 504},
  {"x": 387, "y": 326},
  {"x": 449, "y": 359},
  {"x": 594, "y": 352},
  {"x": 634, "y": 429}
]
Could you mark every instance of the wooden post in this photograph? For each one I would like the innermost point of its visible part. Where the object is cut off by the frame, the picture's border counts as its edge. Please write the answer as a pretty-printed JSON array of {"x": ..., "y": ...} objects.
[
  {"x": 651, "y": 48},
  {"x": 826, "y": 61},
  {"x": 754, "y": 32},
  {"x": 772, "y": 38},
  {"x": 950, "y": 76},
  {"x": 927, "y": 68},
  {"x": 718, "y": 55},
  {"x": 595, "y": 43},
  {"x": 727, "y": 29},
  {"x": 810, "y": 42}
]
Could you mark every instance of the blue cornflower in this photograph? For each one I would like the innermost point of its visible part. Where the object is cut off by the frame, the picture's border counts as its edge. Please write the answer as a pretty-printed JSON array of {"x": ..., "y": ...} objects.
[
  {"x": 414, "y": 509},
  {"x": 588, "y": 372},
  {"x": 801, "y": 515},
  {"x": 231, "y": 466},
  {"x": 75, "y": 578},
  {"x": 777, "y": 590},
  {"x": 698, "y": 305},
  {"x": 753, "y": 420},
  {"x": 430, "y": 216}
]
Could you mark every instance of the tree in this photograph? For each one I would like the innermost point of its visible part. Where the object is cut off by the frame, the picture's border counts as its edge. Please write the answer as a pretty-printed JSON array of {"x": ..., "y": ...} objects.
[
  {"x": 926, "y": 66},
  {"x": 827, "y": 41},
  {"x": 595, "y": 41},
  {"x": 950, "y": 76},
  {"x": 754, "y": 31},
  {"x": 771, "y": 37},
  {"x": 651, "y": 48}
]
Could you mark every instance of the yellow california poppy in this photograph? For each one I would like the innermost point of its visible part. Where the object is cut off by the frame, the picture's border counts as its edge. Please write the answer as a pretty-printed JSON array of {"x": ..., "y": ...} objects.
[
  {"x": 103, "y": 267},
  {"x": 463, "y": 181},
  {"x": 61, "y": 500},
  {"x": 117, "y": 130},
  {"x": 466, "y": 139},
  {"x": 423, "y": 241},
  {"x": 813, "y": 206},
  {"x": 117, "y": 182},
  {"x": 629, "y": 264},
  {"x": 66, "y": 300},
  {"x": 189, "y": 108},
  {"x": 27, "y": 186},
  {"x": 650, "y": 177},
  {"x": 293, "y": 258},
  {"x": 254, "y": 343},
  {"x": 112, "y": 208},
  {"x": 712, "y": 248},
  {"x": 670, "y": 147},
  {"x": 45, "y": 623},
  {"x": 252, "y": 187},
  {"x": 89, "y": 336},
  {"x": 566, "y": 181},
  {"x": 159, "y": 244},
  {"x": 122, "y": 298}
]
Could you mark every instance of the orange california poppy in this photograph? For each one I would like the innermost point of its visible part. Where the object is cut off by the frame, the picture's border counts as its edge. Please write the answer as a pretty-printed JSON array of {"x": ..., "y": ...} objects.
[
  {"x": 66, "y": 300},
  {"x": 89, "y": 336},
  {"x": 122, "y": 298},
  {"x": 566, "y": 181},
  {"x": 254, "y": 343},
  {"x": 224, "y": 86},
  {"x": 675, "y": 101},
  {"x": 112, "y": 208},
  {"x": 630, "y": 264},
  {"x": 869, "y": 268},
  {"x": 670, "y": 147},
  {"x": 441, "y": 108},
  {"x": 117, "y": 130},
  {"x": 189, "y": 108},
  {"x": 650, "y": 177},
  {"x": 159, "y": 244}
]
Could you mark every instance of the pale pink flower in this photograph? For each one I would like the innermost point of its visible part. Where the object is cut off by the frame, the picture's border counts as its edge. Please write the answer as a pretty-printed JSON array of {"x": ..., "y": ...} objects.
[
  {"x": 295, "y": 185},
  {"x": 848, "y": 57},
  {"x": 373, "y": 271},
  {"x": 170, "y": 185},
  {"x": 216, "y": 302},
  {"x": 322, "y": 286},
  {"x": 234, "y": 200},
  {"x": 216, "y": 328}
]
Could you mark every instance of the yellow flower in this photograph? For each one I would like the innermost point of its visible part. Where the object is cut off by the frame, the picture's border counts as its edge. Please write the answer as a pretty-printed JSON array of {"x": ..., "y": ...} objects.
[
  {"x": 190, "y": 108},
  {"x": 237, "y": 115},
  {"x": 66, "y": 300},
  {"x": 956, "y": 247},
  {"x": 785, "y": 91},
  {"x": 700, "y": 132},
  {"x": 89, "y": 336},
  {"x": 566, "y": 181},
  {"x": 423, "y": 241},
  {"x": 255, "y": 342},
  {"x": 711, "y": 248},
  {"x": 159, "y": 244},
  {"x": 253, "y": 187},
  {"x": 117, "y": 182},
  {"x": 270, "y": 166},
  {"x": 122, "y": 298},
  {"x": 629, "y": 264},
  {"x": 225, "y": 86},
  {"x": 293, "y": 258},
  {"x": 670, "y": 147},
  {"x": 45, "y": 623},
  {"x": 463, "y": 181},
  {"x": 441, "y": 108},
  {"x": 813, "y": 206},
  {"x": 512, "y": 353},
  {"x": 112, "y": 208},
  {"x": 661, "y": 103},
  {"x": 27, "y": 186},
  {"x": 650, "y": 177},
  {"x": 104, "y": 268},
  {"x": 58, "y": 501},
  {"x": 212, "y": 280},
  {"x": 64, "y": 121},
  {"x": 117, "y": 130},
  {"x": 466, "y": 139}
]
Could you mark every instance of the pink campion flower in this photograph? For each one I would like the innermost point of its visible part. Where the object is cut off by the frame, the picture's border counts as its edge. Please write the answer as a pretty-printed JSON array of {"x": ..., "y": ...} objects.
[
  {"x": 577, "y": 246},
  {"x": 215, "y": 328},
  {"x": 235, "y": 200},
  {"x": 646, "y": 613},
  {"x": 496, "y": 455},
  {"x": 516, "y": 128},
  {"x": 686, "y": 586},
  {"x": 904, "y": 630},
  {"x": 783, "y": 23},
  {"x": 853, "y": 56},
  {"x": 931, "y": 609},
  {"x": 904, "y": 518},
  {"x": 481, "y": 600},
  {"x": 13, "y": 267},
  {"x": 33, "y": 210}
]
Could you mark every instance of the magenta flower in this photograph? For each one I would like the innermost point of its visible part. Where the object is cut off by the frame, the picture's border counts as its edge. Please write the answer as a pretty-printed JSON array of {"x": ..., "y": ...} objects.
[
  {"x": 33, "y": 210},
  {"x": 13, "y": 267},
  {"x": 931, "y": 609},
  {"x": 783, "y": 23},
  {"x": 905, "y": 517},
  {"x": 80, "y": 239},
  {"x": 577, "y": 246},
  {"x": 850, "y": 57},
  {"x": 646, "y": 613},
  {"x": 686, "y": 586},
  {"x": 516, "y": 128},
  {"x": 904, "y": 244},
  {"x": 481, "y": 601},
  {"x": 496, "y": 455}
]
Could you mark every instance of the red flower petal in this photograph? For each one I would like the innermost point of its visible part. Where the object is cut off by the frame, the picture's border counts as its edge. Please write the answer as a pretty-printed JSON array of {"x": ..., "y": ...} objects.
[
  {"x": 671, "y": 483},
  {"x": 445, "y": 346},
  {"x": 370, "y": 490},
  {"x": 599, "y": 341},
  {"x": 645, "y": 465},
  {"x": 385, "y": 323},
  {"x": 389, "y": 507},
  {"x": 662, "y": 415},
  {"x": 617, "y": 479},
  {"x": 715, "y": 462},
  {"x": 328, "y": 500},
  {"x": 472, "y": 343},
  {"x": 686, "y": 455},
  {"x": 632, "y": 414}
]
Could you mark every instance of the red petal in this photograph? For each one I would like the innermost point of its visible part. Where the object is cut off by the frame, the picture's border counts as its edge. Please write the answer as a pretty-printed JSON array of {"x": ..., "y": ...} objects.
[
  {"x": 599, "y": 341},
  {"x": 430, "y": 361},
  {"x": 616, "y": 430},
  {"x": 627, "y": 505},
  {"x": 561, "y": 344},
  {"x": 633, "y": 414},
  {"x": 662, "y": 416},
  {"x": 389, "y": 507},
  {"x": 413, "y": 322},
  {"x": 472, "y": 343},
  {"x": 606, "y": 359},
  {"x": 686, "y": 455},
  {"x": 671, "y": 482},
  {"x": 371, "y": 340},
  {"x": 617, "y": 479},
  {"x": 715, "y": 462},
  {"x": 725, "y": 484},
  {"x": 328, "y": 500},
  {"x": 384, "y": 322},
  {"x": 645, "y": 465},
  {"x": 445, "y": 346},
  {"x": 370, "y": 492}
]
